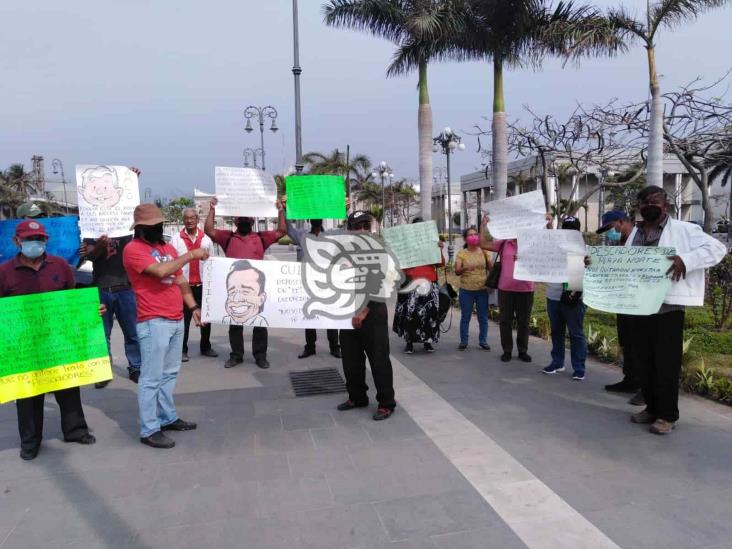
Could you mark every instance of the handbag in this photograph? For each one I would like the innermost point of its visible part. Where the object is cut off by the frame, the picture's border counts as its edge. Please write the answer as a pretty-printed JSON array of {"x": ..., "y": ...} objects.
[{"x": 491, "y": 282}]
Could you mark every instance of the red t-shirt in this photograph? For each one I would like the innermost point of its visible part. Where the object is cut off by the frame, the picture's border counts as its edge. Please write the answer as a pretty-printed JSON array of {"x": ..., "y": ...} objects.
[
  {"x": 251, "y": 246},
  {"x": 156, "y": 297}
]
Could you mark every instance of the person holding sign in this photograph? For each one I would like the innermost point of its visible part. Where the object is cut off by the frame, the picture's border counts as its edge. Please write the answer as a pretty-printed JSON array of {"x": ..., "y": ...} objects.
[
  {"x": 472, "y": 266},
  {"x": 245, "y": 244},
  {"x": 34, "y": 271},
  {"x": 155, "y": 271},
  {"x": 658, "y": 339}
]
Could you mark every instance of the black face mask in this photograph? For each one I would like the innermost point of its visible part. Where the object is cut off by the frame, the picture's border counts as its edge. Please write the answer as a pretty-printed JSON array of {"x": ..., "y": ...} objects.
[
  {"x": 651, "y": 213},
  {"x": 316, "y": 225},
  {"x": 244, "y": 227},
  {"x": 153, "y": 235}
]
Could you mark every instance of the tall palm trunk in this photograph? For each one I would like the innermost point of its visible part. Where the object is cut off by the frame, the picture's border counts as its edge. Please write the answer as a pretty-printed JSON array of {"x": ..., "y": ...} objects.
[
  {"x": 654, "y": 169},
  {"x": 424, "y": 129},
  {"x": 500, "y": 139}
]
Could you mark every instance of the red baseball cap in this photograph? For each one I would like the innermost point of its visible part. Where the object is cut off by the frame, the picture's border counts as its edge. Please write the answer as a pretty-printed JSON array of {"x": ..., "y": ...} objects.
[{"x": 30, "y": 227}]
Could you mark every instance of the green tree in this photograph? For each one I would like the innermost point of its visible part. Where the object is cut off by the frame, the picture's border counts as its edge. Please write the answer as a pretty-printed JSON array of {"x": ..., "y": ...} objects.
[
  {"x": 173, "y": 210},
  {"x": 358, "y": 168}
]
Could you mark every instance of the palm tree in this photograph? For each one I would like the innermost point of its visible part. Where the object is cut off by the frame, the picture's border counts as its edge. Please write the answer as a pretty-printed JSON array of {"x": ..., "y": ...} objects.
[
  {"x": 659, "y": 13},
  {"x": 19, "y": 180},
  {"x": 405, "y": 22},
  {"x": 358, "y": 168}
]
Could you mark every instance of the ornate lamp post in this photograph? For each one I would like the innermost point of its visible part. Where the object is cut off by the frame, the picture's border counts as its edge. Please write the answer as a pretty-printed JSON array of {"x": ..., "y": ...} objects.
[
  {"x": 384, "y": 171},
  {"x": 57, "y": 166},
  {"x": 251, "y": 154},
  {"x": 260, "y": 113},
  {"x": 448, "y": 142}
]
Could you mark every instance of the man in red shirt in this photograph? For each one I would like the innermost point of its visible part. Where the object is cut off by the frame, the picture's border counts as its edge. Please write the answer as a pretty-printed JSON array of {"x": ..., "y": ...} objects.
[
  {"x": 245, "y": 244},
  {"x": 34, "y": 271},
  {"x": 155, "y": 272}
]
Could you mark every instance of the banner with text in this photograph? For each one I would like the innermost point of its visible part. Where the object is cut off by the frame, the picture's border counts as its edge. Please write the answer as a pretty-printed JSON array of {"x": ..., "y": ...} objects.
[
  {"x": 508, "y": 216},
  {"x": 108, "y": 196},
  {"x": 316, "y": 197},
  {"x": 543, "y": 255},
  {"x": 64, "y": 237},
  {"x": 414, "y": 244},
  {"x": 627, "y": 280},
  {"x": 39, "y": 354},
  {"x": 258, "y": 293},
  {"x": 245, "y": 192}
]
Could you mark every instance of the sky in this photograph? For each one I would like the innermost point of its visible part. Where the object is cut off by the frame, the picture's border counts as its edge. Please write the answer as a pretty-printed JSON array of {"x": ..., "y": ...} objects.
[{"x": 162, "y": 85}]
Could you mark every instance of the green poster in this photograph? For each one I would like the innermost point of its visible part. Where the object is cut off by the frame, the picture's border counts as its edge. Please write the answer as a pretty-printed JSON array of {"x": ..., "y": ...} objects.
[
  {"x": 52, "y": 341},
  {"x": 628, "y": 280},
  {"x": 414, "y": 244},
  {"x": 316, "y": 197}
]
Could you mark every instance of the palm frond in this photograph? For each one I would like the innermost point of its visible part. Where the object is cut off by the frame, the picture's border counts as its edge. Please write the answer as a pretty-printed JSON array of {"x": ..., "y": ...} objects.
[
  {"x": 671, "y": 13},
  {"x": 384, "y": 18}
]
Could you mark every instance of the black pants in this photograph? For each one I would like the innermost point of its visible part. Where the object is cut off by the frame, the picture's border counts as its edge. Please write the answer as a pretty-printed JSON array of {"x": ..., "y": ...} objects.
[
  {"x": 370, "y": 341},
  {"x": 30, "y": 417},
  {"x": 311, "y": 336},
  {"x": 188, "y": 314},
  {"x": 625, "y": 340},
  {"x": 658, "y": 342},
  {"x": 516, "y": 305},
  {"x": 259, "y": 342}
]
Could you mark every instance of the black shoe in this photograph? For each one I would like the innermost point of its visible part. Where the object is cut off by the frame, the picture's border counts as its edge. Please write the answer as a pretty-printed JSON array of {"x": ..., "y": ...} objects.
[
  {"x": 85, "y": 439},
  {"x": 158, "y": 440},
  {"x": 350, "y": 405},
  {"x": 506, "y": 357},
  {"x": 336, "y": 352},
  {"x": 179, "y": 425},
  {"x": 382, "y": 413},
  {"x": 232, "y": 362},
  {"x": 184, "y": 357},
  {"x": 29, "y": 454},
  {"x": 621, "y": 387},
  {"x": 210, "y": 353},
  {"x": 637, "y": 399},
  {"x": 102, "y": 384},
  {"x": 135, "y": 376},
  {"x": 263, "y": 363},
  {"x": 462, "y": 346},
  {"x": 306, "y": 353},
  {"x": 409, "y": 349},
  {"x": 428, "y": 348},
  {"x": 525, "y": 357},
  {"x": 484, "y": 346}
]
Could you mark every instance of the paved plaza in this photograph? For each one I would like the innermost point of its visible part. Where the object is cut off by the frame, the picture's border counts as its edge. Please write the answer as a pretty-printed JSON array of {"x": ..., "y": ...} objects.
[{"x": 480, "y": 454}]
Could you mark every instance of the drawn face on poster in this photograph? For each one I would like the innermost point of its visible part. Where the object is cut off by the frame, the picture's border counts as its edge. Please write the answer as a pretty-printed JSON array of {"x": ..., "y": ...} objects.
[
  {"x": 245, "y": 295},
  {"x": 100, "y": 187},
  {"x": 108, "y": 196}
]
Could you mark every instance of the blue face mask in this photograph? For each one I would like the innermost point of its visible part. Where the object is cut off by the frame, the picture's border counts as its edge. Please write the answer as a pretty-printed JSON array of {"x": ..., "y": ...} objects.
[
  {"x": 33, "y": 248},
  {"x": 613, "y": 235}
]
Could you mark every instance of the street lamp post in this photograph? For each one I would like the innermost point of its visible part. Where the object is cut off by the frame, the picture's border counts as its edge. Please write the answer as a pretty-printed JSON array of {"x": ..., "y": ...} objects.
[
  {"x": 251, "y": 154},
  {"x": 260, "y": 113},
  {"x": 448, "y": 142},
  {"x": 439, "y": 174},
  {"x": 383, "y": 171},
  {"x": 296, "y": 72},
  {"x": 57, "y": 166}
]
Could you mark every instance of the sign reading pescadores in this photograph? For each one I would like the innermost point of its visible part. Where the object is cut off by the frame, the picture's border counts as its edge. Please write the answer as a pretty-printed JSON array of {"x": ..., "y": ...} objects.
[
  {"x": 64, "y": 237},
  {"x": 245, "y": 192},
  {"x": 108, "y": 196},
  {"x": 40, "y": 354},
  {"x": 628, "y": 280},
  {"x": 543, "y": 255},
  {"x": 259, "y": 294},
  {"x": 414, "y": 244},
  {"x": 316, "y": 197},
  {"x": 508, "y": 216}
]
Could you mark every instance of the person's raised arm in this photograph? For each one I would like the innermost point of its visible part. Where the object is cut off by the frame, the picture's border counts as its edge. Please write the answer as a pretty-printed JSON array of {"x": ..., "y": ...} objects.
[
  {"x": 485, "y": 242},
  {"x": 98, "y": 249},
  {"x": 209, "y": 226},
  {"x": 167, "y": 268},
  {"x": 281, "y": 221}
]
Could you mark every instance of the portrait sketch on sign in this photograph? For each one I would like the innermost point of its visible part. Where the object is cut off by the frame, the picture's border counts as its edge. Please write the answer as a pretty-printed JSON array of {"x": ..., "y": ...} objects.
[{"x": 107, "y": 197}]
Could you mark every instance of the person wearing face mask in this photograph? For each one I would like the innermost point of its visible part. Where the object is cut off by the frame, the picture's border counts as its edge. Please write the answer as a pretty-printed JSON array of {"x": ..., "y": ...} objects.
[
  {"x": 658, "y": 339},
  {"x": 34, "y": 271},
  {"x": 472, "y": 265},
  {"x": 244, "y": 243},
  {"x": 155, "y": 272}
]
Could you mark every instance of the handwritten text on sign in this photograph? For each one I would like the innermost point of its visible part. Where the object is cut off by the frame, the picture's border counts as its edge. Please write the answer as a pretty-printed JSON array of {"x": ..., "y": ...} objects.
[
  {"x": 508, "y": 216},
  {"x": 628, "y": 280},
  {"x": 543, "y": 254},
  {"x": 245, "y": 192},
  {"x": 108, "y": 196},
  {"x": 414, "y": 244}
]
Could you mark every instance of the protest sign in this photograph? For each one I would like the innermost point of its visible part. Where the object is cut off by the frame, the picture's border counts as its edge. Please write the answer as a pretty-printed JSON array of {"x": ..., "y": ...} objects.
[
  {"x": 39, "y": 353},
  {"x": 64, "y": 237},
  {"x": 258, "y": 293},
  {"x": 316, "y": 197},
  {"x": 576, "y": 272},
  {"x": 542, "y": 254},
  {"x": 628, "y": 280},
  {"x": 414, "y": 244},
  {"x": 245, "y": 192},
  {"x": 108, "y": 196},
  {"x": 508, "y": 216}
]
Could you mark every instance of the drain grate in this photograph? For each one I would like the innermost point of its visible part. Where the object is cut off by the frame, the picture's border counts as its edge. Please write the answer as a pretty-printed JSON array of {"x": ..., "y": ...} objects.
[{"x": 323, "y": 381}]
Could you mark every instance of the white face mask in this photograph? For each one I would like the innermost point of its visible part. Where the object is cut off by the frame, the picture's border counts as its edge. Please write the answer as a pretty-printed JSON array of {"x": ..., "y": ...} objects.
[{"x": 33, "y": 249}]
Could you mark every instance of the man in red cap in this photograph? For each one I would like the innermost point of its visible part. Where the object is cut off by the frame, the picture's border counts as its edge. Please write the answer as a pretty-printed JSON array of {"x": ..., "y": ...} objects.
[
  {"x": 34, "y": 271},
  {"x": 155, "y": 272}
]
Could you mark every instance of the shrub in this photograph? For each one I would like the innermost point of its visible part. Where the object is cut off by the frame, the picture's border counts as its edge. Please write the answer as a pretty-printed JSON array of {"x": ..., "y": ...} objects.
[{"x": 719, "y": 294}]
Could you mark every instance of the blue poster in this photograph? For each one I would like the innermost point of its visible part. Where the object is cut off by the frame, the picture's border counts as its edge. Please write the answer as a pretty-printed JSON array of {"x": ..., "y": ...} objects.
[{"x": 64, "y": 237}]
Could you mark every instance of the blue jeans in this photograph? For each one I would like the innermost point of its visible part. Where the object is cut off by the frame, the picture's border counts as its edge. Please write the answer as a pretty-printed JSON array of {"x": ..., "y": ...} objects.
[
  {"x": 123, "y": 306},
  {"x": 562, "y": 318},
  {"x": 161, "y": 347},
  {"x": 467, "y": 298}
]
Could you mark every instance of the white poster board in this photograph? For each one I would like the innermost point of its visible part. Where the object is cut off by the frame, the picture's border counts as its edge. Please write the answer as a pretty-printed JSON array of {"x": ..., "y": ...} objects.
[
  {"x": 258, "y": 293},
  {"x": 107, "y": 197},
  {"x": 245, "y": 192},
  {"x": 508, "y": 216},
  {"x": 414, "y": 244},
  {"x": 543, "y": 254}
]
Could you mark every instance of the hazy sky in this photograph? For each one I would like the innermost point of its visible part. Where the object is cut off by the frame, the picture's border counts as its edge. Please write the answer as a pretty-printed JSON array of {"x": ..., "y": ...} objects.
[{"x": 161, "y": 84}]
